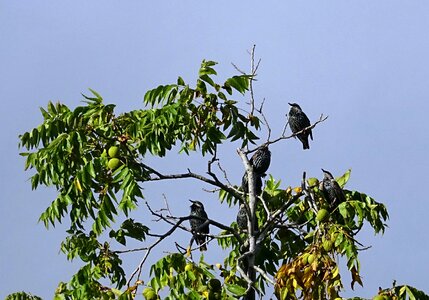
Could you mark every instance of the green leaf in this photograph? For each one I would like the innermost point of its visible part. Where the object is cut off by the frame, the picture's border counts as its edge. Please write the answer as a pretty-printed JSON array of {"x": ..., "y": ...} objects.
[
  {"x": 239, "y": 83},
  {"x": 344, "y": 178},
  {"x": 97, "y": 95},
  {"x": 206, "y": 68},
  {"x": 180, "y": 81},
  {"x": 236, "y": 289},
  {"x": 207, "y": 79}
]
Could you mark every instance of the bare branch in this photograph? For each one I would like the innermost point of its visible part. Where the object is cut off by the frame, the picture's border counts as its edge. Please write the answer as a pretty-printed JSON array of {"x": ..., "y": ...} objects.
[
  {"x": 270, "y": 224},
  {"x": 284, "y": 137},
  {"x": 207, "y": 221},
  {"x": 264, "y": 274},
  {"x": 190, "y": 174},
  {"x": 265, "y": 207},
  {"x": 130, "y": 250},
  {"x": 224, "y": 173},
  {"x": 261, "y": 112},
  {"x": 253, "y": 73},
  {"x": 138, "y": 270}
]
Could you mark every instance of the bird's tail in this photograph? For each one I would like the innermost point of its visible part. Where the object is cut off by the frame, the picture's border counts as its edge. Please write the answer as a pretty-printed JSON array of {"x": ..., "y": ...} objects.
[{"x": 305, "y": 144}]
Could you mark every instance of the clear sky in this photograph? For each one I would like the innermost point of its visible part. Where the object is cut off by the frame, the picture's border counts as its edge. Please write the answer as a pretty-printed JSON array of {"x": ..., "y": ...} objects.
[{"x": 363, "y": 63}]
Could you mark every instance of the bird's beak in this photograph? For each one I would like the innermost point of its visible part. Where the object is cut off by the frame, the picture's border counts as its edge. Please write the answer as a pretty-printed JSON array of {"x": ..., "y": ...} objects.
[
  {"x": 191, "y": 201},
  {"x": 290, "y": 104},
  {"x": 323, "y": 171}
]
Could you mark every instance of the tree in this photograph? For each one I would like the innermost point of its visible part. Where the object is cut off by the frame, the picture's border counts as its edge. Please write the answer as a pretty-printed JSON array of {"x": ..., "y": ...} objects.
[{"x": 96, "y": 161}]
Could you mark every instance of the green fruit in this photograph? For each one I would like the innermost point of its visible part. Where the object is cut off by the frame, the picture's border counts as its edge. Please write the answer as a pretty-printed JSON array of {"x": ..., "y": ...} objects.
[
  {"x": 322, "y": 214},
  {"x": 311, "y": 258},
  {"x": 379, "y": 297},
  {"x": 327, "y": 245},
  {"x": 104, "y": 153},
  {"x": 149, "y": 294},
  {"x": 304, "y": 258},
  {"x": 334, "y": 236},
  {"x": 113, "y": 151},
  {"x": 313, "y": 181},
  {"x": 113, "y": 163}
]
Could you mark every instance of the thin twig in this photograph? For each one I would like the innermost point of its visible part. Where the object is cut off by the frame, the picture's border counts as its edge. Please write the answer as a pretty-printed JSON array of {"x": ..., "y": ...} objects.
[
  {"x": 265, "y": 207},
  {"x": 264, "y": 274},
  {"x": 261, "y": 112}
]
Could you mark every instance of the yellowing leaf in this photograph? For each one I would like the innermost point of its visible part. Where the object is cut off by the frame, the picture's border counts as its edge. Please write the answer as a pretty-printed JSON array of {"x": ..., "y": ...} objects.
[{"x": 78, "y": 185}]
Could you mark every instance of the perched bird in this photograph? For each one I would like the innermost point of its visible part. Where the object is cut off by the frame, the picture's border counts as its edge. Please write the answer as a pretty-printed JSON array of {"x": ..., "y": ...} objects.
[
  {"x": 261, "y": 160},
  {"x": 258, "y": 183},
  {"x": 332, "y": 191},
  {"x": 242, "y": 217},
  {"x": 197, "y": 210},
  {"x": 298, "y": 121}
]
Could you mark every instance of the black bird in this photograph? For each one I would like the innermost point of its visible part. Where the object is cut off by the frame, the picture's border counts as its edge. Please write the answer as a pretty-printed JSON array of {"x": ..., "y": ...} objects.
[
  {"x": 298, "y": 121},
  {"x": 258, "y": 183},
  {"x": 197, "y": 209},
  {"x": 261, "y": 160},
  {"x": 242, "y": 217},
  {"x": 332, "y": 191}
]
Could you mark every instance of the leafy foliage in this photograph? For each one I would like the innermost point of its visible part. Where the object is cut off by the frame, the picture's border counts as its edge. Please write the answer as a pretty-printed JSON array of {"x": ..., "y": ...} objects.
[
  {"x": 96, "y": 161},
  {"x": 22, "y": 296}
]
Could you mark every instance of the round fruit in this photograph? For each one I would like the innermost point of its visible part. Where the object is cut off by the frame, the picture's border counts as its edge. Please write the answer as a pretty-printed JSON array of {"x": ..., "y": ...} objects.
[
  {"x": 322, "y": 214},
  {"x": 379, "y": 297},
  {"x": 149, "y": 294},
  {"x": 189, "y": 267},
  {"x": 311, "y": 258},
  {"x": 313, "y": 181},
  {"x": 113, "y": 163},
  {"x": 327, "y": 245},
  {"x": 304, "y": 258},
  {"x": 113, "y": 151}
]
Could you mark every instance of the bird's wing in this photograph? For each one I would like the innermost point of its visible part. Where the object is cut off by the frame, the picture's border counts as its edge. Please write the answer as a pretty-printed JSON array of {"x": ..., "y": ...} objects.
[{"x": 339, "y": 193}]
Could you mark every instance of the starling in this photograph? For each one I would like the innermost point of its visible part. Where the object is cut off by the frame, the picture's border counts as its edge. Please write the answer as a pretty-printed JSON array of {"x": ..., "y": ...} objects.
[
  {"x": 258, "y": 183},
  {"x": 242, "y": 217},
  {"x": 298, "y": 121},
  {"x": 197, "y": 209},
  {"x": 261, "y": 160},
  {"x": 332, "y": 191}
]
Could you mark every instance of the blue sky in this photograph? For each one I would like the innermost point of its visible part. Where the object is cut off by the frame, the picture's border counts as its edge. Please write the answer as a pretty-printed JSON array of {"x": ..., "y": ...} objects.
[{"x": 363, "y": 63}]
